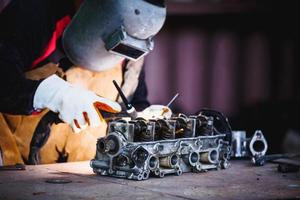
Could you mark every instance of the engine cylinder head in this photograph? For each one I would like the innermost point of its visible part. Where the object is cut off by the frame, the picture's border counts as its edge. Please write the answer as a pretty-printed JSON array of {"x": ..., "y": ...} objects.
[{"x": 178, "y": 145}]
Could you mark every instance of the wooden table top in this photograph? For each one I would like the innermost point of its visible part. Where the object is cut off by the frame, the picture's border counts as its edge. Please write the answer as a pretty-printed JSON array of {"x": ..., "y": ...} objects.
[{"x": 240, "y": 181}]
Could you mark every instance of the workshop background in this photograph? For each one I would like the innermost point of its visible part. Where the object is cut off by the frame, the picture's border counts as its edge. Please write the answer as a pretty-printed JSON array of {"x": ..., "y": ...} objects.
[{"x": 239, "y": 57}]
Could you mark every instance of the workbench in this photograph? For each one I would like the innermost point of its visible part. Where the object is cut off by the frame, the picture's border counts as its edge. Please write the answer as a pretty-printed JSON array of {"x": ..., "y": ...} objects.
[{"x": 241, "y": 181}]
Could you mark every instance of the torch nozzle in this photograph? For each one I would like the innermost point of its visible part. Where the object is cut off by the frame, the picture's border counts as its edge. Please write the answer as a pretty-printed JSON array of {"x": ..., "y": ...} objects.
[{"x": 129, "y": 108}]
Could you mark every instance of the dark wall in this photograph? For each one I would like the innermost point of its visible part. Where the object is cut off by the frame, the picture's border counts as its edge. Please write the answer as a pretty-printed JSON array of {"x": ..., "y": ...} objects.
[{"x": 242, "y": 63}]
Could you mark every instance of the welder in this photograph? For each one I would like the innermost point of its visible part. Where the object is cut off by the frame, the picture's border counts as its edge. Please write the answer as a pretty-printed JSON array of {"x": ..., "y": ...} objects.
[{"x": 61, "y": 56}]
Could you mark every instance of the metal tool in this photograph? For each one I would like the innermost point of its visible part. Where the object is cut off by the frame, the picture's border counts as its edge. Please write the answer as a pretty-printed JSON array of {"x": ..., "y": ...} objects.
[
  {"x": 173, "y": 99},
  {"x": 129, "y": 108}
]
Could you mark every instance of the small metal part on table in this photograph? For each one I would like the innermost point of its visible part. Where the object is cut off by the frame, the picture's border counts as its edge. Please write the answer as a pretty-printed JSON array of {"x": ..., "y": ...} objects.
[{"x": 254, "y": 147}]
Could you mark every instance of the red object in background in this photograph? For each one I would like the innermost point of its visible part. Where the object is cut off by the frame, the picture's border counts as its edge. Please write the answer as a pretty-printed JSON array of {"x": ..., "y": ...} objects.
[{"x": 51, "y": 46}]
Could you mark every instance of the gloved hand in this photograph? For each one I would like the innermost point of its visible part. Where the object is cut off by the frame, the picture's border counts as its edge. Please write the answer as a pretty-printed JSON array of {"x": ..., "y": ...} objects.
[{"x": 76, "y": 106}]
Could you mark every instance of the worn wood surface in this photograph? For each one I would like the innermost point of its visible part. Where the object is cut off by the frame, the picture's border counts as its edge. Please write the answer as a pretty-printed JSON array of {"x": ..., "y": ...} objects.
[{"x": 241, "y": 181}]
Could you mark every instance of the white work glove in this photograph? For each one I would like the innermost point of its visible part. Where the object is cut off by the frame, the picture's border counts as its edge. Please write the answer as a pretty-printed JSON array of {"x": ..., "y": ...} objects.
[
  {"x": 76, "y": 106},
  {"x": 156, "y": 112}
]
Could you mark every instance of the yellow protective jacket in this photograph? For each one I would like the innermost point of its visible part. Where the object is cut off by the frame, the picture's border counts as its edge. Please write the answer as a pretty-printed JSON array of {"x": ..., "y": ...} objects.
[{"x": 16, "y": 131}]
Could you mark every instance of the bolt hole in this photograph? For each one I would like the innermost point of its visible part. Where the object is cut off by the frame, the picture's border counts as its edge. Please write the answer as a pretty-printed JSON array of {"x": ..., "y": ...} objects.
[
  {"x": 194, "y": 157},
  {"x": 162, "y": 174},
  {"x": 258, "y": 146},
  {"x": 101, "y": 146},
  {"x": 137, "y": 11},
  {"x": 140, "y": 177},
  {"x": 146, "y": 175},
  {"x": 179, "y": 172},
  {"x": 214, "y": 155},
  {"x": 153, "y": 162},
  {"x": 174, "y": 160},
  {"x": 157, "y": 172}
]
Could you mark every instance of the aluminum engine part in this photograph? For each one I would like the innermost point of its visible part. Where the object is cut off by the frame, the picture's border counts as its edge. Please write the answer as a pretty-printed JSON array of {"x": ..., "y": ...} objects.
[
  {"x": 254, "y": 147},
  {"x": 239, "y": 144},
  {"x": 136, "y": 149}
]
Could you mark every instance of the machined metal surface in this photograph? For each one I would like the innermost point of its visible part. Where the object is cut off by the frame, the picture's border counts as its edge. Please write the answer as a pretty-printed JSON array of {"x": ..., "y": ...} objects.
[
  {"x": 239, "y": 144},
  {"x": 258, "y": 145},
  {"x": 137, "y": 149},
  {"x": 255, "y": 147}
]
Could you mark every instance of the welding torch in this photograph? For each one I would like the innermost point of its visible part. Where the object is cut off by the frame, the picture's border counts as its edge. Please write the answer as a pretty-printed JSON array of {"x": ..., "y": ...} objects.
[{"x": 129, "y": 108}]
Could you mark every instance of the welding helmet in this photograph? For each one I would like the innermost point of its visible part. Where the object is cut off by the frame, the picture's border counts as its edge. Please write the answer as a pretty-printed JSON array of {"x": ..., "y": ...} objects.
[{"x": 104, "y": 32}]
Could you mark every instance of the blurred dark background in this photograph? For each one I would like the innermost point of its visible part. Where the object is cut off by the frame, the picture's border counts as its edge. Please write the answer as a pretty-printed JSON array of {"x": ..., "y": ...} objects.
[{"x": 239, "y": 57}]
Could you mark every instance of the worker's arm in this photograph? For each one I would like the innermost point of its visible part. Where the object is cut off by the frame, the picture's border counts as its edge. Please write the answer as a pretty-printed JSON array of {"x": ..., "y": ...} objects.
[
  {"x": 24, "y": 32},
  {"x": 76, "y": 106},
  {"x": 16, "y": 92}
]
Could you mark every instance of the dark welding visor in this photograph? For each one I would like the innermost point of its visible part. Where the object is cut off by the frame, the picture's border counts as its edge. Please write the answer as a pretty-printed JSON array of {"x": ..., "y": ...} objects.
[{"x": 122, "y": 44}]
